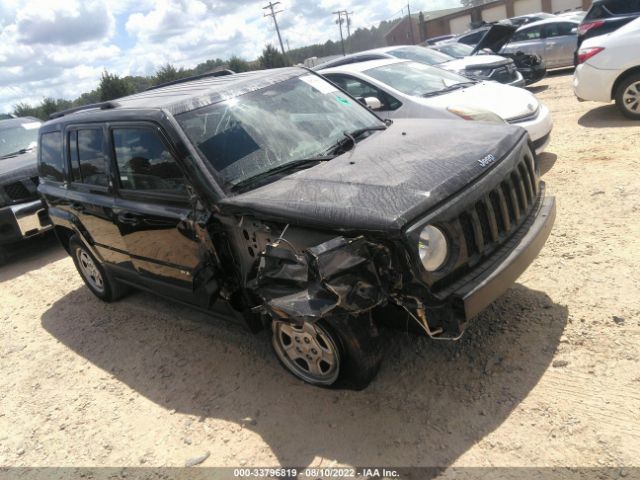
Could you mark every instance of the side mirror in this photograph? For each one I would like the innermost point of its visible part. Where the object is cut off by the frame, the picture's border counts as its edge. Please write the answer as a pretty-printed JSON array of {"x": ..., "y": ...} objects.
[
  {"x": 574, "y": 30},
  {"x": 372, "y": 102}
]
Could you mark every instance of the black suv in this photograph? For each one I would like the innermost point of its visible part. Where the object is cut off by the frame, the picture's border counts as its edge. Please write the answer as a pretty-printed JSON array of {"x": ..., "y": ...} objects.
[
  {"x": 606, "y": 16},
  {"x": 22, "y": 213},
  {"x": 282, "y": 196}
]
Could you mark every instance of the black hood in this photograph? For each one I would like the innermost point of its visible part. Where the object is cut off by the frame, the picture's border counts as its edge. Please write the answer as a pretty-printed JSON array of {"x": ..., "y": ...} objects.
[
  {"x": 19, "y": 167},
  {"x": 495, "y": 38},
  {"x": 390, "y": 179}
]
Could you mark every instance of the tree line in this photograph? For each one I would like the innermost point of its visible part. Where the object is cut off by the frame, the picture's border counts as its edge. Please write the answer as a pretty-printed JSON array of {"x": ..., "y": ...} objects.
[{"x": 112, "y": 86}]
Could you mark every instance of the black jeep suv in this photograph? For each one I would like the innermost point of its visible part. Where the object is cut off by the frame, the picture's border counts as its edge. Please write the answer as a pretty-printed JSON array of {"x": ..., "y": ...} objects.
[
  {"x": 22, "y": 213},
  {"x": 282, "y": 196}
]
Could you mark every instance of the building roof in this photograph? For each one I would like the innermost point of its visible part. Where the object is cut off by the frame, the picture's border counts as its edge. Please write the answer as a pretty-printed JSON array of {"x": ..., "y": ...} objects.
[{"x": 427, "y": 16}]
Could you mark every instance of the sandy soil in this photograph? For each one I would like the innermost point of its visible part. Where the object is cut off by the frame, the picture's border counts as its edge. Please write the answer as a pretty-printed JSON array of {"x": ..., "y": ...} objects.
[{"x": 549, "y": 375}]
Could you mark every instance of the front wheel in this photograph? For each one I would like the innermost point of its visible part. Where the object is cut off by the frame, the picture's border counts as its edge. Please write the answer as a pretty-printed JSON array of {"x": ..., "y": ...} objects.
[
  {"x": 343, "y": 352},
  {"x": 628, "y": 97}
]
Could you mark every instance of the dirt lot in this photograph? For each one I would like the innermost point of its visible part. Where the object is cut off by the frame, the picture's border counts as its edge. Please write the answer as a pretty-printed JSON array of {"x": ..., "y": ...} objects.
[{"x": 549, "y": 375}]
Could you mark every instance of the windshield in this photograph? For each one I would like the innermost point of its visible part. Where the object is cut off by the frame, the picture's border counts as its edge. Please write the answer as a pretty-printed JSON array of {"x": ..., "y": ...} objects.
[
  {"x": 417, "y": 79},
  {"x": 457, "y": 50},
  {"x": 18, "y": 137},
  {"x": 296, "y": 119},
  {"x": 420, "y": 54}
]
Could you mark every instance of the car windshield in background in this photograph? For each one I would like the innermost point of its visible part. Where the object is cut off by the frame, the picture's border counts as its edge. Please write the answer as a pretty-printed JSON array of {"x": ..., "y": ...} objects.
[
  {"x": 299, "y": 118},
  {"x": 18, "y": 138},
  {"x": 420, "y": 54},
  {"x": 417, "y": 79},
  {"x": 456, "y": 50}
]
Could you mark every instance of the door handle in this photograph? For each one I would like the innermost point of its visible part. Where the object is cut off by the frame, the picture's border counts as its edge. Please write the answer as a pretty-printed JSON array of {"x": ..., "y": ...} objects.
[
  {"x": 77, "y": 206},
  {"x": 128, "y": 218}
]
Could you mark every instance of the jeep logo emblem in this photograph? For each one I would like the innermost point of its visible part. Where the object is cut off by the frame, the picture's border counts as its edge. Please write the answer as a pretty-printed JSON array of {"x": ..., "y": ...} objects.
[{"x": 486, "y": 161}]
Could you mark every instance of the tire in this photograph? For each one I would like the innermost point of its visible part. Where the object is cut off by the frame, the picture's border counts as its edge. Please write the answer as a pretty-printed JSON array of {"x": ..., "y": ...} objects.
[
  {"x": 346, "y": 351},
  {"x": 93, "y": 273},
  {"x": 628, "y": 97}
]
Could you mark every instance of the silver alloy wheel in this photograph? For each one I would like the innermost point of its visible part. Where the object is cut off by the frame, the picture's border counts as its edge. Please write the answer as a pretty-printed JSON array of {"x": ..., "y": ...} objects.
[
  {"x": 308, "y": 351},
  {"x": 89, "y": 270},
  {"x": 631, "y": 98}
]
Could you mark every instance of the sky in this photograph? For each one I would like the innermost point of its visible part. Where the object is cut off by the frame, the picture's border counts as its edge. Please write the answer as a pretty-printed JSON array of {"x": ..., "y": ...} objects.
[{"x": 59, "y": 48}]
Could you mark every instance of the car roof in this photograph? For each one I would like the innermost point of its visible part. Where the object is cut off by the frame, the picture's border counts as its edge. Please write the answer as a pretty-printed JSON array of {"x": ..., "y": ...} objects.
[
  {"x": 14, "y": 122},
  {"x": 362, "y": 66},
  {"x": 548, "y": 21},
  {"x": 186, "y": 96}
]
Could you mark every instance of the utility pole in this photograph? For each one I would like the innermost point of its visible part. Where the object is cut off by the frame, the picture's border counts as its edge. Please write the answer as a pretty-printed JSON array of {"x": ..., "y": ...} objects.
[
  {"x": 410, "y": 25},
  {"x": 275, "y": 21},
  {"x": 339, "y": 22},
  {"x": 346, "y": 14}
]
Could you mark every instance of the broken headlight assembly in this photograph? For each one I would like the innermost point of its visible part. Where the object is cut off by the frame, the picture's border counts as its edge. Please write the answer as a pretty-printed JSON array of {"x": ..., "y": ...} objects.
[{"x": 432, "y": 248}]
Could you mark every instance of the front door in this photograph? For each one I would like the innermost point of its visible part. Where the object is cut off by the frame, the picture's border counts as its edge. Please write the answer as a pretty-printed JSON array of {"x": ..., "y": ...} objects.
[{"x": 163, "y": 233}]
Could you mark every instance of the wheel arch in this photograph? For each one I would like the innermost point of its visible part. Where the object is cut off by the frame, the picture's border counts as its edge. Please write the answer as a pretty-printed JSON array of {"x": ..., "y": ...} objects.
[{"x": 624, "y": 75}]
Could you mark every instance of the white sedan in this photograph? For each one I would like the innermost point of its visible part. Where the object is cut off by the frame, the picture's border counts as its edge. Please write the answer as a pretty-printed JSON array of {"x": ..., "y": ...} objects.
[
  {"x": 406, "y": 89},
  {"x": 609, "y": 69}
]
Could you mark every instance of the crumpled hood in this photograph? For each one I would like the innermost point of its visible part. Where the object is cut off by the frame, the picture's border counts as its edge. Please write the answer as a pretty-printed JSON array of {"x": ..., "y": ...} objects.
[
  {"x": 507, "y": 101},
  {"x": 495, "y": 38},
  {"x": 391, "y": 178},
  {"x": 475, "y": 61},
  {"x": 19, "y": 167}
]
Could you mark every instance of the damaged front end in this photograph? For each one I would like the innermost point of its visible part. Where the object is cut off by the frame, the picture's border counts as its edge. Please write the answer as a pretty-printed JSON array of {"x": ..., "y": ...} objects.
[{"x": 340, "y": 276}]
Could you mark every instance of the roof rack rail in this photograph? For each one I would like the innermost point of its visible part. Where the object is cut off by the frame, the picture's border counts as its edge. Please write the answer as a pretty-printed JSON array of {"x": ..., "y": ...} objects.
[
  {"x": 218, "y": 73},
  {"x": 101, "y": 105}
]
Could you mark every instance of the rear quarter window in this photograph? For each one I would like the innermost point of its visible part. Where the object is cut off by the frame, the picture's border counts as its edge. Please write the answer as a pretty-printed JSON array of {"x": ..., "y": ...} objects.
[{"x": 51, "y": 157}]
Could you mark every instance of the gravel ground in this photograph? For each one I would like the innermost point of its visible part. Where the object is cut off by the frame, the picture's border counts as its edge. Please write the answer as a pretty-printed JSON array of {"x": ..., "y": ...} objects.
[{"x": 548, "y": 376}]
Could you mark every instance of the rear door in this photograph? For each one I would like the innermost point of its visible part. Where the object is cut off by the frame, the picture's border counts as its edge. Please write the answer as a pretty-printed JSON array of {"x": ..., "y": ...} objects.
[
  {"x": 527, "y": 40},
  {"x": 560, "y": 41},
  {"x": 156, "y": 219},
  {"x": 90, "y": 190}
]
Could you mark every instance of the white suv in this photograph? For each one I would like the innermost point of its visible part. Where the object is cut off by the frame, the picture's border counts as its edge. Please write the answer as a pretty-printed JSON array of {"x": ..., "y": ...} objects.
[{"x": 609, "y": 69}]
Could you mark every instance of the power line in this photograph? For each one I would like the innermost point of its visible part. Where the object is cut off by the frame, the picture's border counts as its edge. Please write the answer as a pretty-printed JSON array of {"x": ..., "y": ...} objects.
[{"x": 275, "y": 21}]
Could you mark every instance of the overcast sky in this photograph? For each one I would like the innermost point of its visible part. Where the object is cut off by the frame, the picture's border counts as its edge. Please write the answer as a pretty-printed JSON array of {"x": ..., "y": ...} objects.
[{"x": 58, "y": 48}]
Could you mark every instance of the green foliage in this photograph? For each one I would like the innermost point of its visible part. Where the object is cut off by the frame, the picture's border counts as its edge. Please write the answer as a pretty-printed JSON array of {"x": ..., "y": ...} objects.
[
  {"x": 112, "y": 87},
  {"x": 272, "y": 58},
  {"x": 169, "y": 73},
  {"x": 42, "y": 111},
  {"x": 238, "y": 65}
]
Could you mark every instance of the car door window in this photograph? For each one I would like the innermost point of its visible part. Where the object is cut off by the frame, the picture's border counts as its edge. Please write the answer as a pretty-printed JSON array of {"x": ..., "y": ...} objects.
[
  {"x": 88, "y": 161},
  {"x": 360, "y": 89},
  {"x": 472, "y": 38},
  {"x": 527, "y": 34},
  {"x": 559, "y": 29},
  {"x": 51, "y": 158},
  {"x": 145, "y": 163}
]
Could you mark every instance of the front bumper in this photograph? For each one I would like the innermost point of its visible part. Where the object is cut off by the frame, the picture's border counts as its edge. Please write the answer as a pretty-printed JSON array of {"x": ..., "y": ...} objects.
[
  {"x": 538, "y": 127},
  {"x": 22, "y": 221},
  {"x": 522, "y": 249}
]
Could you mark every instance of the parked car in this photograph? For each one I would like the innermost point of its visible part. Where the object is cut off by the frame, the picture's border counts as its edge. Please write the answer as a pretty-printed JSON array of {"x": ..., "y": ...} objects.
[
  {"x": 577, "y": 15},
  {"x": 531, "y": 67},
  {"x": 404, "y": 89},
  {"x": 22, "y": 214},
  {"x": 606, "y": 16},
  {"x": 609, "y": 69},
  {"x": 434, "y": 40},
  {"x": 529, "y": 18},
  {"x": 485, "y": 67},
  {"x": 554, "y": 40},
  {"x": 277, "y": 194}
]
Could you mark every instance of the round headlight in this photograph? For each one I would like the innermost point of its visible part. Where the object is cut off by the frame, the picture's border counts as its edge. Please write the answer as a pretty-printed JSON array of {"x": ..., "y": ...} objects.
[{"x": 432, "y": 248}]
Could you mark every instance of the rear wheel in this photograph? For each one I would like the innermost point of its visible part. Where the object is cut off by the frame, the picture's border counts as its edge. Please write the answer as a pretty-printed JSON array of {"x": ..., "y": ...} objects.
[
  {"x": 93, "y": 273},
  {"x": 628, "y": 97},
  {"x": 343, "y": 352}
]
